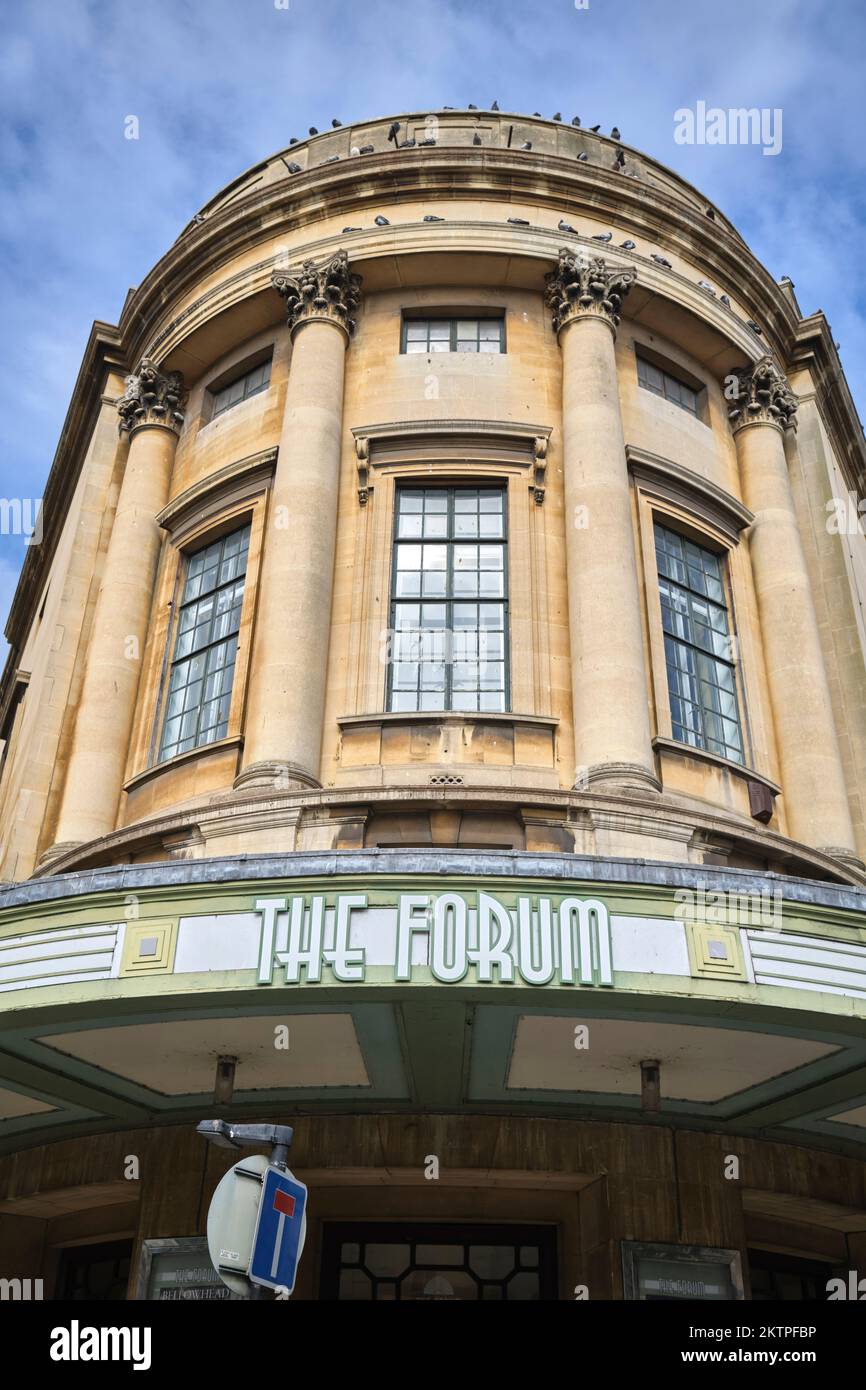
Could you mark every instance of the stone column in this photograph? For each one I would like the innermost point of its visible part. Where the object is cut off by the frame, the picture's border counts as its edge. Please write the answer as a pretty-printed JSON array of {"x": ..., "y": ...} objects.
[
  {"x": 150, "y": 415},
  {"x": 612, "y": 738},
  {"x": 813, "y": 781},
  {"x": 285, "y": 712}
]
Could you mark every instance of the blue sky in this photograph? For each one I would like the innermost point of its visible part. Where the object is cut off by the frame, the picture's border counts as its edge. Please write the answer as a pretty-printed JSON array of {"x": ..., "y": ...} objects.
[{"x": 219, "y": 84}]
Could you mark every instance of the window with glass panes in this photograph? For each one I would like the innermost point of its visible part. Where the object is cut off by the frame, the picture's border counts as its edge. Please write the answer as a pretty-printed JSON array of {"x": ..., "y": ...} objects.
[
  {"x": 661, "y": 383},
  {"x": 453, "y": 335},
  {"x": 250, "y": 384},
  {"x": 205, "y": 647},
  {"x": 698, "y": 648},
  {"x": 449, "y": 611}
]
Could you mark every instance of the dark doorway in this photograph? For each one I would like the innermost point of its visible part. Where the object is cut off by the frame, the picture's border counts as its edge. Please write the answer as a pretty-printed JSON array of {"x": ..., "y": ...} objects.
[
  {"x": 399, "y": 1262},
  {"x": 788, "y": 1278},
  {"x": 94, "y": 1273}
]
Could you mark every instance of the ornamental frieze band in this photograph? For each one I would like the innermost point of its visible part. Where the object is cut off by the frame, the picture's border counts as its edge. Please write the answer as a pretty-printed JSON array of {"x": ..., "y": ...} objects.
[
  {"x": 329, "y": 290},
  {"x": 763, "y": 396},
  {"x": 152, "y": 397},
  {"x": 581, "y": 286}
]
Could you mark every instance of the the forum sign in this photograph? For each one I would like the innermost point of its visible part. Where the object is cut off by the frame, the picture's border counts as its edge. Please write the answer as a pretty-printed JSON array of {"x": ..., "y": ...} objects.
[{"x": 450, "y": 934}]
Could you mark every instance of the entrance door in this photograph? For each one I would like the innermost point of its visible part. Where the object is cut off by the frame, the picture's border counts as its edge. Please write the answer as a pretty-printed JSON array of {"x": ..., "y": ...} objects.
[{"x": 422, "y": 1261}]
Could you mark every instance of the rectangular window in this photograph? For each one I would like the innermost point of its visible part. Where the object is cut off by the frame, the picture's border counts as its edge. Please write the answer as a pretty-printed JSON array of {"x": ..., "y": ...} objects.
[
  {"x": 449, "y": 600},
  {"x": 203, "y": 662},
  {"x": 250, "y": 384},
  {"x": 453, "y": 335},
  {"x": 661, "y": 383},
  {"x": 698, "y": 649}
]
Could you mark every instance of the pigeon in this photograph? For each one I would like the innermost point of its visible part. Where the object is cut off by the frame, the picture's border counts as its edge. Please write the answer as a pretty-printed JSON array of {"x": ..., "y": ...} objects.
[
  {"x": 431, "y": 217},
  {"x": 294, "y": 140},
  {"x": 313, "y": 130},
  {"x": 336, "y": 124},
  {"x": 711, "y": 214},
  {"x": 527, "y": 145},
  {"x": 470, "y": 107},
  {"x": 476, "y": 139},
  {"x": 447, "y": 108},
  {"x": 429, "y": 141},
  {"x": 518, "y": 221},
  {"x": 602, "y": 236},
  {"x": 627, "y": 245},
  {"x": 406, "y": 145},
  {"x": 381, "y": 221},
  {"x": 352, "y": 229},
  {"x": 332, "y": 159},
  {"x": 614, "y": 134},
  {"x": 583, "y": 156},
  {"x": 725, "y": 300},
  {"x": 536, "y": 113},
  {"x": 366, "y": 149},
  {"x": 495, "y": 106},
  {"x": 198, "y": 217},
  {"x": 660, "y": 260},
  {"x": 558, "y": 116},
  {"x": 354, "y": 150},
  {"x": 595, "y": 128},
  {"x": 754, "y": 327},
  {"x": 575, "y": 120},
  {"x": 566, "y": 226},
  {"x": 620, "y": 159},
  {"x": 294, "y": 168},
  {"x": 705, "y": 285},
  {"x": 392, "y": 133}
]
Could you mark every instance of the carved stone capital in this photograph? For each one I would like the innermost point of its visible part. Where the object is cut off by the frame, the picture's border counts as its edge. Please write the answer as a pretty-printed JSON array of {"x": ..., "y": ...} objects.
[
  {"x": 152, "y": 397},
  {"x": 583, "y": 286},
  {"x": 327, "y": 291},
  {"x": 763, "y": 397}
]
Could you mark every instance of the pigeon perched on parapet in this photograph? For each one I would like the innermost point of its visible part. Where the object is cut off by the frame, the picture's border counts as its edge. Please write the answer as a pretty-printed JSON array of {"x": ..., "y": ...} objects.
[
  {"x": 627, "y": 245},
  {"x": 755, "y": 327},
  {"x": 294, "y": 140},
  {"x": 725, "y": 300},
  {"x": 476, "y": 139},
  {"x": 705, "y": 285},
  {"x": 429, "y": 141},
  {"x": 332, "y": 159},
  {"x": 602, "y": 236},
  {"x": 614, "y": 134},
  {"x": 566, "y": 226},
  {"x": 558, "y": 116},
  {"x": 536, "y": 113},
  {"x": 711, "y": 214},
  {"x": 392, "y": 133},
  {"x": 583, "y": 156},
  {"x": 620, "y": 159},
  {"x": 406, "y": 145},
  {"x": 336, "y": 124},
  {"x": 352, "y": 229},
  {"x": 595, "y": 128},
  {"x": 495, "y": 106},
  {"x": 354, "y": 150},
  {"x": 294, "y": 168},
  {"x": 381, "y": 221},
  {"x": 470, "y": 107},
  {"x": 431, "y": 217},
  {"x": 661, "y": 261},
  {"x": 313, "y": 130},
  {"x": 575, "y": 120},
  {"x": 518, "y": 221},
  {"x": 366, "y": 149},
  {"x": 527, "y": 145}
]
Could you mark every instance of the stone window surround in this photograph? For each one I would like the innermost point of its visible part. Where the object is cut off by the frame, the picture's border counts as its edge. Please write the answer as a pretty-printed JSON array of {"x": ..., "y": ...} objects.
[
  {"x": 674, "y": 369},
  {"x": 448, "y": 451},
  {"x": 677, "y": 497},
  {"x": 232, "y": 497}
]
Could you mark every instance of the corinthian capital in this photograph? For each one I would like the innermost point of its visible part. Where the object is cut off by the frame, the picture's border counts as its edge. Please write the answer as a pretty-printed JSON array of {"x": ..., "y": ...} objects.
[
  {"x": 152, "y": 397},
  {"x": 326, "y": 291},
  {"x": 583, "y": 285},
  {"x": 763, "y": 396}
]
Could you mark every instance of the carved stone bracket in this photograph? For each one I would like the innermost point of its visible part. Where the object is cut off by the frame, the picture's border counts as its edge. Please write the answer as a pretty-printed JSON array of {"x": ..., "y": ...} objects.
[
  {"x": 763, "y": 396},
  {"x": 362, "y": 449},
  {"x": 152, "y": 397},
  {"x": 328, "y": 291},
  {"x": 586, "y": 285},
  {"x": 540, "y": 451}
]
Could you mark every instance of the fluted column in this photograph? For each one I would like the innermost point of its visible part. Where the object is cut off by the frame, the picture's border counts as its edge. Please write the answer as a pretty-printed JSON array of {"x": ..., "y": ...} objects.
[
  {"x": 813, "y": 781},
  {"x": 150, "y": 416},
  {"x": 608, "y": 671},
  {"x": 285, "y": 714}
]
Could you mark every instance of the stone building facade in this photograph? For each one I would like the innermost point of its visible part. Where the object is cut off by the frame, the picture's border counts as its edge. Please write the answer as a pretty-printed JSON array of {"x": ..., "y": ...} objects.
[{"x": 441, "y": 689}]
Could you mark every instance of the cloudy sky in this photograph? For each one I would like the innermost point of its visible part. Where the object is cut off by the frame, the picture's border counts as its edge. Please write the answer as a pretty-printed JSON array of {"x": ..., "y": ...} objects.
[{"x": 218, "y": 84}]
